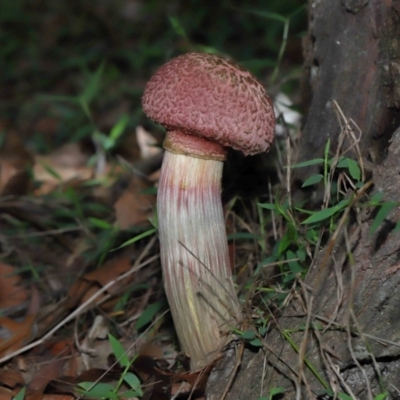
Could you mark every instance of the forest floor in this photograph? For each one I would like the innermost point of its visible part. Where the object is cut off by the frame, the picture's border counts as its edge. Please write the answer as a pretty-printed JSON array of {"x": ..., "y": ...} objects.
[{"x": 82, "y": 307}]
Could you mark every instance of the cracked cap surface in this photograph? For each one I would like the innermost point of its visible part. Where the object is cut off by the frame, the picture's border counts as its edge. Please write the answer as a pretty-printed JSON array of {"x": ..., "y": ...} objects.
[{"x": 208, "y": 96}]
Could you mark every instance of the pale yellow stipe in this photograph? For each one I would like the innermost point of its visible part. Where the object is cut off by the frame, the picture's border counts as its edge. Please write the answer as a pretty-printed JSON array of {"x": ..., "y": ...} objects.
[{"x": 194, "y": 255}]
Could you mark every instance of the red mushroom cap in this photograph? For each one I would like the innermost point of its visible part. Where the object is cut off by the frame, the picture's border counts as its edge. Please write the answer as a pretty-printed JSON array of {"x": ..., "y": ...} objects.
[{"x": 213, "y": 98}]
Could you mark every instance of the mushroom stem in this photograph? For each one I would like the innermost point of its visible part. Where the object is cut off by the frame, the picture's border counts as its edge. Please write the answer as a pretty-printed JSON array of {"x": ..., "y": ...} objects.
[{"x": 194, "y": 255}]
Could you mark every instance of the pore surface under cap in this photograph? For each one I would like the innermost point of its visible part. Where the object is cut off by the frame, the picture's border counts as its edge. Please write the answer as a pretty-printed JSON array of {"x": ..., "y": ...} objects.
[{"x": 208, "y": 96}]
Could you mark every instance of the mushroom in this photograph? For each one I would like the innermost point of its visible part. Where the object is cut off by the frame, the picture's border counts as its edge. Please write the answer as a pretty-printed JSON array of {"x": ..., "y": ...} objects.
[{"x": 206, "y": 103}]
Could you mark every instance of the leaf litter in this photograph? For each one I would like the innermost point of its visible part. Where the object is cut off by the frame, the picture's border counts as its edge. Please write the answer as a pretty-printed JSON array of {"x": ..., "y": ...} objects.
[
  {"x": 63, "y": 289},
  {"x": 77, "y": 180}
]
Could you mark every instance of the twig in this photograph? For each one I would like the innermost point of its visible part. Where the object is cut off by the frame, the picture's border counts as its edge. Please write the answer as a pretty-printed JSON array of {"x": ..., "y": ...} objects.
[
  {"x": 239, "y": 358},
  {"x": 272, "y": 213},
  {"x": 288, "y": 173},
  {"x": 303, "y": 345},
  {"x": 49, "y": 232}
]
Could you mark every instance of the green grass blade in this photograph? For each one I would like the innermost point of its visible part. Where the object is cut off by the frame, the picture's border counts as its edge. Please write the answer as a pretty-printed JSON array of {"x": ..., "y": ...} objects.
[
  {"x": 148, "y": 314},
  {"x": 313, "y": 180},
  {"x": 383, "y": 212},
  {"x": 315, "y": 161},
  {"x": 119, "y": 351},
  {"x": 137, "y": 238}
]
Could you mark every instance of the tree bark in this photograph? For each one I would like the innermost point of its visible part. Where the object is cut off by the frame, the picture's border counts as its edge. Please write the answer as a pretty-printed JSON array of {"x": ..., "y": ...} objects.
[
  {"x": 351, "y": 56},
  {"x": 345, "y": 319}
]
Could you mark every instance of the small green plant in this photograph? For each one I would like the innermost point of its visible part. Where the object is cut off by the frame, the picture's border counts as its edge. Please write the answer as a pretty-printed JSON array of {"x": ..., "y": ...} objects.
[
  {"x": 82, "y": 105},
  {"x": 138, "y": 237},
  {"x": 149, "y": 313},
  {"x": 343, "y": 188},
  {"x": 20, "y": 395},
  {"x": 252, "y": 337},
  {"x": 273, "y": 392},
  {"x": 304, "y": 231},
  {"x": 100, "y": 390},
  {"x": 382, "y": 396},
  {"x": 285, "y": 22}
]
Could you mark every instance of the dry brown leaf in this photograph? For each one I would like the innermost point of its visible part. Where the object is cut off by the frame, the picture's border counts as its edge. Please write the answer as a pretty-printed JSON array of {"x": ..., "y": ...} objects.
[
  {"x": 64, "y": 174},
  {"x": 38, "y": 395},
  {"x": 89, "y": 284},
  {"x": 20, "y": 333},
  {"x": 11, "y": 292},
  {"x": 129, "y": 148},
  {"x": 133, "y": 207},
  {"x": 14, "y": 180},
  {"x": 180, "y": 388},
  {"x": 11, "y": 379},
  {"x": 91, "y": 355},
  {"x": 152, "y": 350},
  {"x": 61, "y": 347},
  {"x": 71, "y": 155},
  {"x": 80, "y": 245},
  {"x": 6, "y": 394},
  {"x": 67, "y": 164},
  {"x": 111, "y": 270},
  {"x": 14, "y": 163},
  {"x": 46, "y": 373}
]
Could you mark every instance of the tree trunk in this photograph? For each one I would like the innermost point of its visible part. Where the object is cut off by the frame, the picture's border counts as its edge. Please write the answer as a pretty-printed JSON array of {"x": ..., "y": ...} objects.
[
  {"x": 345, "y": 320},
  {"x": 351, "y": 56}
]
